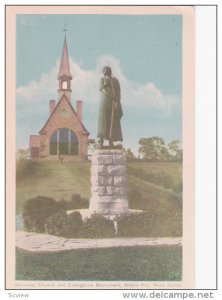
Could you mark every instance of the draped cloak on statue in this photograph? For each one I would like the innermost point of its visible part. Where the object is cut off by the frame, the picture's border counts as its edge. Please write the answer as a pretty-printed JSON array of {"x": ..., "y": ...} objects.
[{"x": 110, "y": 109}]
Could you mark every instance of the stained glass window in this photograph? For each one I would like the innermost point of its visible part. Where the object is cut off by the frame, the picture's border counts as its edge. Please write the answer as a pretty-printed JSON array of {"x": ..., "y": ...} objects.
[{"x": 64, "y": 141}]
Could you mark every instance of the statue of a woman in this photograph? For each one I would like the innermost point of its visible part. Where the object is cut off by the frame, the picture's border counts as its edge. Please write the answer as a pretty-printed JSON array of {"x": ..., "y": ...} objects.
[{"x": 110, "y": 109}]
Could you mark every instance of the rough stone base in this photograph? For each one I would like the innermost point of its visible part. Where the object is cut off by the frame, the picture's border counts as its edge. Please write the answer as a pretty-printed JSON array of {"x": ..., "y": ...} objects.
[
  {"x": 108, "y": 205},
  {"x": 108, "y": 182}
]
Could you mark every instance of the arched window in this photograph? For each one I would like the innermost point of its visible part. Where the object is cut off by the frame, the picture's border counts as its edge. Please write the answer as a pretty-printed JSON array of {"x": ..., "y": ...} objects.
[
  {"x": 64, "y": 141},
  {"x": 64, "y": 85}
]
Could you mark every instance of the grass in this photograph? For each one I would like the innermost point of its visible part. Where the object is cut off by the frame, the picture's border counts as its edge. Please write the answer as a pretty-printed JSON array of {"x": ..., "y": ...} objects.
[
  {"x": 51, "y": 179},
  {"x": 165, "y": 207},
  {"x": 134, "y": 263},
  {"x": 166, "y": 175},
  {"x": 170, "y": 168},
  {"x": 163, "y": 204},
  {"x": 61, "y": 181}
]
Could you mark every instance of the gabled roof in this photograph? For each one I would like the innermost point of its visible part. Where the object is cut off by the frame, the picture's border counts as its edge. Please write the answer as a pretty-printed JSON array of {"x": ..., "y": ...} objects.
[
  {"x": 64, "y": 69},
  {"x": 66, "y": 99}
]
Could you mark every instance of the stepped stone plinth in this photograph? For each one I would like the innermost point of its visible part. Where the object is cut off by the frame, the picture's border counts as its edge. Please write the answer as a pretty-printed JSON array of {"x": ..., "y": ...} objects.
[{"x": 108, "y": 182}]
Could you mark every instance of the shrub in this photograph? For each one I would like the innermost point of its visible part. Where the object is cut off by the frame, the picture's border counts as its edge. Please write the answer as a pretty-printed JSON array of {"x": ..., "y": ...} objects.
[
  {"x": 37, "y": 210},
  {"x": 78, "y": 202},
  {"x": 97, "y": 226},
  {"x": 76, "y": 198},
  {"x": 75, "y": 224},
  {"x": 134, "y": 225},
  {"x": 63, "y": 204},
  {"x": 61, "y": 224},
  {"x": 57, "y": 224}
]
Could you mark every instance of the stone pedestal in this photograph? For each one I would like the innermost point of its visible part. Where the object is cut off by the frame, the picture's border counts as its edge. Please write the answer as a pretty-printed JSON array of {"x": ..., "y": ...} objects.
[{"x": 108, "y": 182}]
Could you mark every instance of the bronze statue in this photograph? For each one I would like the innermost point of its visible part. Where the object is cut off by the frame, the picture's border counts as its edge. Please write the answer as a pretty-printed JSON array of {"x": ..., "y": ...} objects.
[{"x": 110, "y": 109}]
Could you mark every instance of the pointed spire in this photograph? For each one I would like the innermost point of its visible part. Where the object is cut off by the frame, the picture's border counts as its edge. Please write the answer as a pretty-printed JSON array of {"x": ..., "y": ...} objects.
[{"x": 64, "y": 69}]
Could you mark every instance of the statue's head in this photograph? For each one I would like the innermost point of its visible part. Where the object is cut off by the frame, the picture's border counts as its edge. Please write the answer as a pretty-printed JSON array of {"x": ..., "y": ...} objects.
[{"x": 107, "y": 71}]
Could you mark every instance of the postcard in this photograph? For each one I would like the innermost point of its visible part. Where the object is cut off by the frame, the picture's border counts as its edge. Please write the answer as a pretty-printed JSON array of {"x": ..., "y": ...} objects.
[{"x": 100, "y": 165}]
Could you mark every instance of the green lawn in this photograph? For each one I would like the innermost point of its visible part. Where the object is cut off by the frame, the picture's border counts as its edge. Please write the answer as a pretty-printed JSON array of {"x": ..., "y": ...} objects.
[
  {"x": 51, "y": 179},
  {"x": 173, "y": 169},
  {"x": 61, "y": 181},
  {"x": 164, "y": 205},
  {"x": 134, "y": 263}
]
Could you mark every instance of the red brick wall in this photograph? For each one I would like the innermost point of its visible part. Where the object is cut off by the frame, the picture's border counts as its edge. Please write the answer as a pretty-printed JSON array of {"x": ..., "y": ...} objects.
[{"x": 60, "y": 119}]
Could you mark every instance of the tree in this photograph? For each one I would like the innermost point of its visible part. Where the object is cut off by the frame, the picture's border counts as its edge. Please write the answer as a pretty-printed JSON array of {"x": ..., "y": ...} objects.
[
  {"x": 179, "y": 155},
  {"x": 129, "y": 154},
  {"x": 175, "y": 151},
  {"x": 164, "y": 153},
  {"x": 174, "y": 146},
  {"x": 152, "y": 148}
]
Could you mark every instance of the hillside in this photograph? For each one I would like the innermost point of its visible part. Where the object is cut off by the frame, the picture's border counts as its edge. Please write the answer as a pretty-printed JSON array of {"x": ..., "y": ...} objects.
[
  {"x": 150, "y": 187},
  {"x": 51, "y": 179}
]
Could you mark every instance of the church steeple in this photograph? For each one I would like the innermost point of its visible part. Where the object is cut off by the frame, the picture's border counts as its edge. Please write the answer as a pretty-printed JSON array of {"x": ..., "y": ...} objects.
[{"x": 64, "y": 75}]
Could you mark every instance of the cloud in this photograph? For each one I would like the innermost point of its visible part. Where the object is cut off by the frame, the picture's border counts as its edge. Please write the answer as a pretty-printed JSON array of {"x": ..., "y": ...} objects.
[
  {"x": 32, "y": 100},
  {"x": 36, "y": 90},
  {"x": 85, "y": 85}
]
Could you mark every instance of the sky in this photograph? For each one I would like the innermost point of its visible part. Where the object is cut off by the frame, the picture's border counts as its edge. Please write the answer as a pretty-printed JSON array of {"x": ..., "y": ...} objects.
[{"x": 144, "y": 52}]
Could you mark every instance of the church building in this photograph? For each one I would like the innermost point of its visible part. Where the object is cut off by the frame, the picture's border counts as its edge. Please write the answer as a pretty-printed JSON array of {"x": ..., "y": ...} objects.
[{"x": 64, "y": 132}]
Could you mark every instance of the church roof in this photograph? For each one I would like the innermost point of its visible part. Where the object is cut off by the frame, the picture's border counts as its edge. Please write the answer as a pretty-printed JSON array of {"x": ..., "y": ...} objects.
[
  {"x": 58, "y": 104},
  {"x": 64, "y": 69}
]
